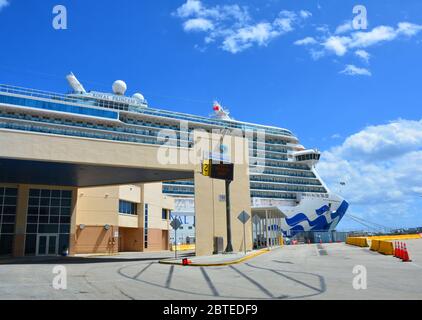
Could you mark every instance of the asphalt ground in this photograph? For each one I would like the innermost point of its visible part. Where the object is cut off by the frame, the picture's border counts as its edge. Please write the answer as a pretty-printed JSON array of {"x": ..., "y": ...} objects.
[{"x": 292, "y": 272}]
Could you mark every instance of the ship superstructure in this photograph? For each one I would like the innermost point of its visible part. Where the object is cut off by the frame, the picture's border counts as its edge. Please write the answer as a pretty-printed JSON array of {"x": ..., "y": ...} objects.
[{"x": 282, "y": 172}]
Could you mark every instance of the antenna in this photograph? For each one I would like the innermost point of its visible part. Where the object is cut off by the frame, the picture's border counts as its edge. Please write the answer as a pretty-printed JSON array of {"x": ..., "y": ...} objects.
[{"x": 75, "y": 84}]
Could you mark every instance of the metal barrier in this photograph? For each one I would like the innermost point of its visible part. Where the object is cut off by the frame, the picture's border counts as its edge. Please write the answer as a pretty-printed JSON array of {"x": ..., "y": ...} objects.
[{"x": 309, "y": 237}]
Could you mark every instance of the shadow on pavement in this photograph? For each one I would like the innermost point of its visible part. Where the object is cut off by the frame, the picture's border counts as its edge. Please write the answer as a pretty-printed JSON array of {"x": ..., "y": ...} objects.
[{"x": 82, "y": 260}]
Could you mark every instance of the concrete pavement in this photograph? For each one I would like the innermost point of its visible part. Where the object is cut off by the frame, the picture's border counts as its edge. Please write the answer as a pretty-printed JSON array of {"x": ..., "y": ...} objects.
[
  {"x": 224, "y": 259},
  {"x": 292, "y": 272}
]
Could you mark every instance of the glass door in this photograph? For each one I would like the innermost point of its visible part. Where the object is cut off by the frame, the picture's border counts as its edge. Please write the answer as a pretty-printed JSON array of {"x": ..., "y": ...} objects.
[{"x": 47, "y": 244}]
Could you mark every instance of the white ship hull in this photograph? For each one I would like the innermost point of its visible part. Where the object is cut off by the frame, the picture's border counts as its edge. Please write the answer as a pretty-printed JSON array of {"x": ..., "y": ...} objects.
[{"x": 314, "y": 214}]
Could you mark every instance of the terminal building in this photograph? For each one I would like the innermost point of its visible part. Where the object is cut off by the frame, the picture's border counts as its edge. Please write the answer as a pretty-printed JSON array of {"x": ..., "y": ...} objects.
[{"x": 81, "y": 173}]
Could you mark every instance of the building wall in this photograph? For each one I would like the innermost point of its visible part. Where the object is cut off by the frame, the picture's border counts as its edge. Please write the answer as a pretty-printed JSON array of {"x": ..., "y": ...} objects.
[
  {"x": 131, "y": 193},
  {"x": 128, "y": 221},
  {"x": 157, "y": 235},
  {"x": 153, "y": 195},
  {"x": 98, "y": 207},
  {"x": 131, "y": 239},
  {"x": 96, "y": 239},
  {"x": 210, "y": 219},
  {"x": 157, "y": 240}
]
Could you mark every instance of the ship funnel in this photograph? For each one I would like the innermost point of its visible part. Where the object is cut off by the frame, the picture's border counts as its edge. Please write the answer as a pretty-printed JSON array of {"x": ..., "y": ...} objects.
[{"x": 75, "y": 84}]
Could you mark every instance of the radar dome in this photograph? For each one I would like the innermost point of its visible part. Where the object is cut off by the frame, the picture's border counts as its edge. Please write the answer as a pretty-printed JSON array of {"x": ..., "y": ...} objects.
[
  {"x": 138, "y": 96},
  {"x": 119, "y": 87}
]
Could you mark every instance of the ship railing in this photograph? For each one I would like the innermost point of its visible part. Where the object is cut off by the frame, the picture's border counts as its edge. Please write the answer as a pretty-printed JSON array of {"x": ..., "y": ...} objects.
[{"x": 40, "y": 94}]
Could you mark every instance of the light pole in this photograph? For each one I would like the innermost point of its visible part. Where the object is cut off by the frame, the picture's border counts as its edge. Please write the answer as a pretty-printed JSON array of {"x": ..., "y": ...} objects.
[{"x": 229, "y": 247}]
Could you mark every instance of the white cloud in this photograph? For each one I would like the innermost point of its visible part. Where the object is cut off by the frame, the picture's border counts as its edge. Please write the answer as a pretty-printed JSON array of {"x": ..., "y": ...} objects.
[
  {"x": 232, "y": 25},
  {"x": 409, "y": 29},
  {"x": 198, "y": 24},
  {"x": 306, "y": 41},
  {"x": 384, "y": 141},
  {"x": 379, "y": 34},
  {"x": 3, "y": 3},
  {"x": 285, "y": 21},
  {"x": 382, "y": 168},
  {"x": 346, "y": 39},
  {"x": 364, "y": 39},
  {"x": 336, "y": 44},
  {"x": 344, "y": 28},
  {"x": 190, "y": 8},
  {"x": 305, "y": 14},
  {"x": 352, "y": 70},
  {"x": 364, "y": 55},
  {"x": 323, "y": 29},
  {"x": 317, "y": 54},
  {"x": 195, "y": 8},
  {"x": 244, "y": 38}
]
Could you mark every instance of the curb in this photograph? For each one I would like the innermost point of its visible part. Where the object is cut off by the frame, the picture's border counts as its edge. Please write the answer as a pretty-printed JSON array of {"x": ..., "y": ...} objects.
[
  {"x": 258, "y": 253},
  {"x": 97, "y": 255}
]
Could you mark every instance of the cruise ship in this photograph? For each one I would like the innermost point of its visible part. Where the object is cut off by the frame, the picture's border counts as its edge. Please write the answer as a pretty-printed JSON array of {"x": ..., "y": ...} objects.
[{"x": 282, "y": 171}]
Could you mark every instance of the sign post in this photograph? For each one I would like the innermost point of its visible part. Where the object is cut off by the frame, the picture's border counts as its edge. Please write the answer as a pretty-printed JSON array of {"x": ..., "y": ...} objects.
[
  {"x": 244, "y": 217},
  {"x": 229, "y": 247},
  {"x": 175, "y": 223}
]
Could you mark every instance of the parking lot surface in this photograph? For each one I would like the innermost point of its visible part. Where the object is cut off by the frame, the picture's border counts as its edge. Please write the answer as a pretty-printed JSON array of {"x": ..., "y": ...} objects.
[{"x": 292, "y": 272}]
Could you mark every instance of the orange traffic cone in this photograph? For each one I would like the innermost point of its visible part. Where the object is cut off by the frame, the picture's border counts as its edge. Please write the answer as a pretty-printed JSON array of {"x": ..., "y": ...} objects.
[
  {"x": 406, "y": 257},
  {"x": 399, "y": 251},
  {"x": 395, "y": 249}
]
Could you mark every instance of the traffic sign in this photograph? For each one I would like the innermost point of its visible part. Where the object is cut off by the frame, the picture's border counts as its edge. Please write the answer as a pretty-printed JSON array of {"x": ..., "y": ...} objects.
[
  {"x": 222, "y": 171},
  {"x": 206, "y": 168},
  {"x": 243, "y": 217},
  {"x": 175, "y": 223},
  {"x": 255, "y": 219}
]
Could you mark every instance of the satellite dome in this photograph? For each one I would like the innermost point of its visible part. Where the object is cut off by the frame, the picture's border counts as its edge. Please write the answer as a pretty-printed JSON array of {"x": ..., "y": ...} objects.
[
  {"x": 138, "y": 96},
  {"x": 119, "y": 87}
]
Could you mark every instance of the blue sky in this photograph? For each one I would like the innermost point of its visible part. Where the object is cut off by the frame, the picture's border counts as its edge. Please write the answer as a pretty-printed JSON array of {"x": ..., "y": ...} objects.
[{"x": 355, "y": 94}]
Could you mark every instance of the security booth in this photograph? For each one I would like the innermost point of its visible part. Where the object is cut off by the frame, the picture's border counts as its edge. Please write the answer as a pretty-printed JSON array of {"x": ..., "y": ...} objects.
[{"x": 266, "y": 227}]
